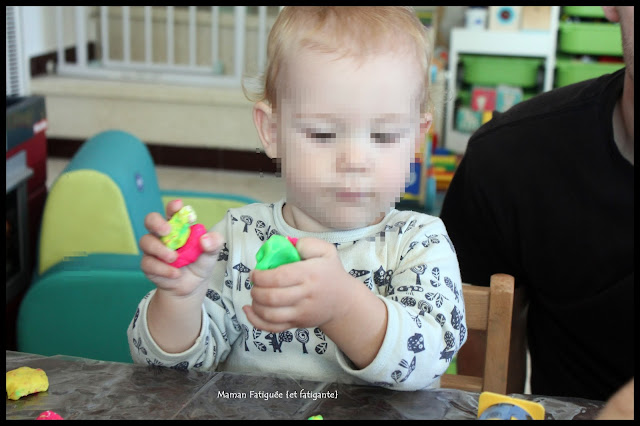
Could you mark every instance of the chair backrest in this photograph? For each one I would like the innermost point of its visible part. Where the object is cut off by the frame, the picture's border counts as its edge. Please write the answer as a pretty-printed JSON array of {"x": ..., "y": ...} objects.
[
  {"x": 99, "y": 201},
  {"x": 499, "y": 312}
]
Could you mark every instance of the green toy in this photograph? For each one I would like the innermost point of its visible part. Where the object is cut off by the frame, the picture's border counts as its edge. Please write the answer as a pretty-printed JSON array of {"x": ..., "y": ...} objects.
[
  {"x": 276, "y": 251},
  {"x": 180, "y": 223}
]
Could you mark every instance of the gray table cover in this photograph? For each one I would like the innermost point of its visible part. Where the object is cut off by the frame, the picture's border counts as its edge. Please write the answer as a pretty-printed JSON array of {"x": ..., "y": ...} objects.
[{"x": 81, "y": 388}]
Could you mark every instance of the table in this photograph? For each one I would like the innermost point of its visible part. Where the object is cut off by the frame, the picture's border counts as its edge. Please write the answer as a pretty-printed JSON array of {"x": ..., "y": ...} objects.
[{"x": 81, "y": 388}]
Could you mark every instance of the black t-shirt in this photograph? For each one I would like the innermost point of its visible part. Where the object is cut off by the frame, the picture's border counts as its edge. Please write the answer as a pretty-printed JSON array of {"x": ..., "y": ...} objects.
[{"x": 543, "y": 193}]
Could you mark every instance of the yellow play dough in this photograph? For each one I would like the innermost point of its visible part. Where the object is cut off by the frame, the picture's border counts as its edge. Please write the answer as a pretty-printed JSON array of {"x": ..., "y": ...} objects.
[{"x": 25, "y": 381}]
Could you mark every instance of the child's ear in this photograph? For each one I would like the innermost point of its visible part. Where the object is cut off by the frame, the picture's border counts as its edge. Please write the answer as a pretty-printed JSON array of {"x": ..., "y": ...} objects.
[
  {"x": 264, "y": 119},
  {"x": 426, "y": 119}
]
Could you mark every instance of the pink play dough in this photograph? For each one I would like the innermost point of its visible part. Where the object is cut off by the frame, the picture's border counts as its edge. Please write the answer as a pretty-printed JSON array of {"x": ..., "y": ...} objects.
[
  {"x": 49, "y": 415},
  {"x": 192, "y": 249}
]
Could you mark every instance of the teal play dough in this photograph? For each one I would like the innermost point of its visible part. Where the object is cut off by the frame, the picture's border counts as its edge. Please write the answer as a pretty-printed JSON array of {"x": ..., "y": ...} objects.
[{"x": 277, "y": 250}]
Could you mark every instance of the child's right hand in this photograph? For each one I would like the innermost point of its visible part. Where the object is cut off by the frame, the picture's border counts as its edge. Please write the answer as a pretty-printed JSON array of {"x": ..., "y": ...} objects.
[{"x": 156, "y": 257}]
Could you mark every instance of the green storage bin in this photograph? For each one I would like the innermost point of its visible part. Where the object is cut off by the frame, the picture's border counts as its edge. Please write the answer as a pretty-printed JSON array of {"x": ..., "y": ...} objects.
[
  {"x": 465, "y": 97},
  {"x": 494, "y": 70},
  {"x": 590, "y": 38},
  {"x": 569, "y": 71},
  {"x": 467, "y": 120},
  {"x": 584, "y": 11}
]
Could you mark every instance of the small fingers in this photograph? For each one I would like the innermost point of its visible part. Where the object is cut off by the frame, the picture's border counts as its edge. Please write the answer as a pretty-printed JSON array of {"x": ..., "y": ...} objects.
[
  {"x": 173, "y": 206},
  {"x": 265, "y": 325},
  {"x": 156, "y": 224},
  {"x": 277, "y": 297},
  {"x": 155, "y": 267},
  {"x": 278, "y": 277},
  {"x": 211, "y": 242},
  {"x": 284, "y": 315},
  {"x": 151, "y": 245},
  {"x": 309, "y": 248}
]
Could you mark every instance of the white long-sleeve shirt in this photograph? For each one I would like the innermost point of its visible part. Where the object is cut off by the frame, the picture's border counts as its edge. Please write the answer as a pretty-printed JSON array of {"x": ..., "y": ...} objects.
[{"x": 407, "y": 260}]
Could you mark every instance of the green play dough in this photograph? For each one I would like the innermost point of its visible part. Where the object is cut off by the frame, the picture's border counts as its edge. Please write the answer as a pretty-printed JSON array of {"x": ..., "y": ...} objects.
[{"x": 278, "y": 250}]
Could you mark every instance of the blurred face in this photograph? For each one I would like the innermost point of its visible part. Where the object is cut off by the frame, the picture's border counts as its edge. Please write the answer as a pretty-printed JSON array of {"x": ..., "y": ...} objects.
[{"x": 346, "y": 134}]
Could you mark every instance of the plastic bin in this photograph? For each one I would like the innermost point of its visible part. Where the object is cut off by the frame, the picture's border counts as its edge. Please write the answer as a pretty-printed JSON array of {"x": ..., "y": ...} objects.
[
  {"x": 494, "y": 70},
  {"x": 590, "y": 38},
  {"x": 569, "y": 71},
  {"x": 584, "y": 11}
]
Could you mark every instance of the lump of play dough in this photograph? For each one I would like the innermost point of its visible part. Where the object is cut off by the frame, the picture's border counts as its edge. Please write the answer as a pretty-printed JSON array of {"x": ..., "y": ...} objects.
[
  {"x": 49, "y": 415},
  {"x": 276, "y": 251},
  {"x": 180, "y": 224},
  {"x": 191, "y": 250},
  {"x": 25, "y": 381}
]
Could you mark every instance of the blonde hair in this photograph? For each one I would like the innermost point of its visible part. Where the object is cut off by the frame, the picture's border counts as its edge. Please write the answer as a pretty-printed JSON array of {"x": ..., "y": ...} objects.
[{"x": 354, "y": 31}]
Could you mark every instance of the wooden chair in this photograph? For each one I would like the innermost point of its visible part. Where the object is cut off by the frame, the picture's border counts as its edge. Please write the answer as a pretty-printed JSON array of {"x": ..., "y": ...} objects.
[{"x": 498, "y": 312}]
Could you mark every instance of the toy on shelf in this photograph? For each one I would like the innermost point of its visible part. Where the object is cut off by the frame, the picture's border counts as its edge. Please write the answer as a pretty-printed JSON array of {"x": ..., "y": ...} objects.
[
  {"x": 420, "y": 191},
  {"x": 184, "y": 236},
  {"x": 483, "y": 98},
  {"x": 468, "y": 120},
  {"x": 507, "y": 96},
  {"x": 487, "y": 116},
  {"x": 494, "y": 406},
  {"x": 477, "y": 106},
  {"x": 414, "y": 190},
  {"x": 444, "y": 163},
  {"x": 505, "y": 18},
  {"x": 276, "y": 251}
]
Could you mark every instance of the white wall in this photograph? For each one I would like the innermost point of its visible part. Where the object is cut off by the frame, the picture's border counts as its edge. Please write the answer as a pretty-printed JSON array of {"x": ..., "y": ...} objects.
[
  {"x": 39, "y": 30},
  {"x": 156, "y": 113},
  {"x": 453, "y": 16},
  {"x": 35, "y": 41}
]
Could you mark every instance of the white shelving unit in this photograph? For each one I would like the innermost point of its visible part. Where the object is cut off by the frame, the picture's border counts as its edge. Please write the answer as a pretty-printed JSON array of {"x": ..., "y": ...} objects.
[{"x": 526, "y": 43}]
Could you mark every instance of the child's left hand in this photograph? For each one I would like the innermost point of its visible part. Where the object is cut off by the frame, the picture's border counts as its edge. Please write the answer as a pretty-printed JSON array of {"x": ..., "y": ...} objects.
[{"x": 303, "y": 294}]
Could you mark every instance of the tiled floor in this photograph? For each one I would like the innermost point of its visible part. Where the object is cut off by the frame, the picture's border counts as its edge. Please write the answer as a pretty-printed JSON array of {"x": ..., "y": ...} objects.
[{"x": 266, "y": 188}]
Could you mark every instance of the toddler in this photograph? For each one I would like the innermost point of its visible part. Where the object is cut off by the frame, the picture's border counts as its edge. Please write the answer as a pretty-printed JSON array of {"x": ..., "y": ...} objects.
[{"x": 376, "y": 298}]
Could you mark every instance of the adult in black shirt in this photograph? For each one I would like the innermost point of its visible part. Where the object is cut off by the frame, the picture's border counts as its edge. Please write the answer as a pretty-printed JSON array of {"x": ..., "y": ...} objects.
[{"x": 545, "y": 192}]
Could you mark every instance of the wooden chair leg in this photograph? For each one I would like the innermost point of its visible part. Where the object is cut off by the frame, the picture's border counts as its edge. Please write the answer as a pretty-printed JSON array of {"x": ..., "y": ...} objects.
[{"x": 496, "y": 366}]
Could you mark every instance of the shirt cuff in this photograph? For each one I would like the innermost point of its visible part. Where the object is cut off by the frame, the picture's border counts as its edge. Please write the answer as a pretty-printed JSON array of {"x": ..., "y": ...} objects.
[
  {"x": 373, "y": 373},
  {"x": 165, "y": 357}
]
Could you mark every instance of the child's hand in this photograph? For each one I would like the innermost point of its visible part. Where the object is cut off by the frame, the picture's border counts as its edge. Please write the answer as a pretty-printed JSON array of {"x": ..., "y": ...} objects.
[
  {"x": 179, "y": 282},
  {"x": 303, "y": 294}
]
